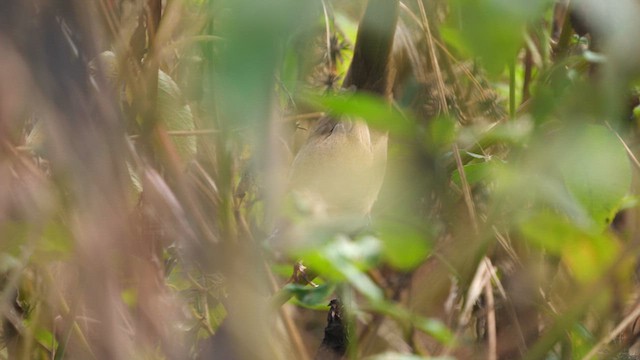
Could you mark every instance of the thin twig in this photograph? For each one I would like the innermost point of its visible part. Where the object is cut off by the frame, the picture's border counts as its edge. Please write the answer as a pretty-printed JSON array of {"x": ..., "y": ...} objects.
[
  {"x": 179, "y": 133},
  {"x": 474, "y": 290},
  {"x": 611, "y": 335},
  {"x": 446, "y": 51},
  {"x": 512, "y": 89},
  {"x": 307, "y": 116},
  {"x": 626, "y": 147},
  {"x": 492, "y": 343},
  {"x": 328, "y": 34}
]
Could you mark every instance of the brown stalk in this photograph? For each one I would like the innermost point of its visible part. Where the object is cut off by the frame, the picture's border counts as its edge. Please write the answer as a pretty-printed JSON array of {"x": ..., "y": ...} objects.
[{"x": 492, "y": 343}]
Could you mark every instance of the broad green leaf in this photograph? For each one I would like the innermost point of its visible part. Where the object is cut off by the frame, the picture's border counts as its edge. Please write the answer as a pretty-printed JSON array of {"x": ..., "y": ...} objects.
[
  {"x": 550, "y": 232},
  {"x": 374, "y": 110},
  {"x": 442, "y": 132},
  {"x": 244, "y": 67},
  {"x": 341, "y": 259},
  {"x": 405, "y": 246},
  {"x": 596, "y": 171},
  {"x": 474, "y": 173},
  {"x": 493, "y": 29},
  {"x": 586, "y": 253}
]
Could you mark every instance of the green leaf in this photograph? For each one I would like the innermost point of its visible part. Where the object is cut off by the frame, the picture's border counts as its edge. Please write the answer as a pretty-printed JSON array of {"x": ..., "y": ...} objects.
[
  {"x": 311, "y": 297},
  {"x": 435, "y": 328},
  {"x": 341, "y": 259},
  {"x": 217, "y": 314},
  {"x": 549, "y": 231},
  {"x": 45, "y": 338},
  {"x": 405, "y": 246},
  {"x": 582, "y": 341},
  {"x": 587, "y": 253},
  {"x": 372, "y": 109},
  {"x": 493, "y": 29},
  {"x": 596, "y": 171},
  {"x": 429, "y": 326},
  {"x": 514, "y": 132},
  {"x": 442, "y": 132},
  {"x": 636, "y": 113},
  {"x": 474, "y": 173}
]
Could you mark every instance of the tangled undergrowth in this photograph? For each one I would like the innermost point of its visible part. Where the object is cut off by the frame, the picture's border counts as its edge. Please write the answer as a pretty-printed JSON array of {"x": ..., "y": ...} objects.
[{"x": 145, "y": 151}]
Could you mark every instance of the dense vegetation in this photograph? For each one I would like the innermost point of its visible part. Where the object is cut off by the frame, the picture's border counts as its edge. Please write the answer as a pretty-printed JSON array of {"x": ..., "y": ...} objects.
[{"x": 145, "y": 149}]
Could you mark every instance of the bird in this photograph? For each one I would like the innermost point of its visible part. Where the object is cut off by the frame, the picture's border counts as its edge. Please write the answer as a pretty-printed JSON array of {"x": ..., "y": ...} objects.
[
  {"x": 336, "y": 340},
  {"x": 340, "y": 168}
]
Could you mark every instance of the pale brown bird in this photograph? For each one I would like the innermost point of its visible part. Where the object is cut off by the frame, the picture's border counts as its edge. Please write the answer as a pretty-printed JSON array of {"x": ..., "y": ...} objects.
[{"x": 340, "y": 168}]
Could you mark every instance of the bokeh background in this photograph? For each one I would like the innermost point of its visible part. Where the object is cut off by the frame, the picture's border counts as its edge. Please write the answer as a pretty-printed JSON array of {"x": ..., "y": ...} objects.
[{"x": 144, "y": 156}]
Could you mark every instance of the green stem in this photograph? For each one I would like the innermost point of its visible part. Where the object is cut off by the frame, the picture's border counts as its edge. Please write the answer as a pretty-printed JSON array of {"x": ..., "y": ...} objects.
[{"x": 512, "y": 89}]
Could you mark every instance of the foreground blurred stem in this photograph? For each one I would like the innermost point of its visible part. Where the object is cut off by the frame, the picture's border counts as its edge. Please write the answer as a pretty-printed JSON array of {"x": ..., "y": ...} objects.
[{"x": 512, "y": 89}]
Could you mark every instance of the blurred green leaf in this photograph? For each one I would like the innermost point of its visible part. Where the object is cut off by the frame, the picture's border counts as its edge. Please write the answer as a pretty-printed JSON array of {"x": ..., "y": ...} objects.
[
  {"x": 435, "y": 328},
  {"x": 474, "y": 173},
  {"x": 442, "y": 132},
  {"x": 290, "y": 73},
  {"x": 596, "y": 171},
  {"x": 341, "y": 259},
  {"x": 515, "y": 132},
  {"x": 628, "y": 202},
  {"x": 243, "y": 74},
  {"x": 311, "y": 297},
  {"x": 582, "y": 341},
  {"x": 45, "y": 338},
  {"x": 405, "y": 246},
  {"x": 493, "y": 29},
  {"x": 217, "y": 314},
  {"x": 550, "y": 231},
  {"x": 636, "y": 113},
  {"x": 454, "y": 38},
  {"x": 372, "y": 109},
  {"x": 588, "y": 254},
  {"x": 432, "y": 327}
]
